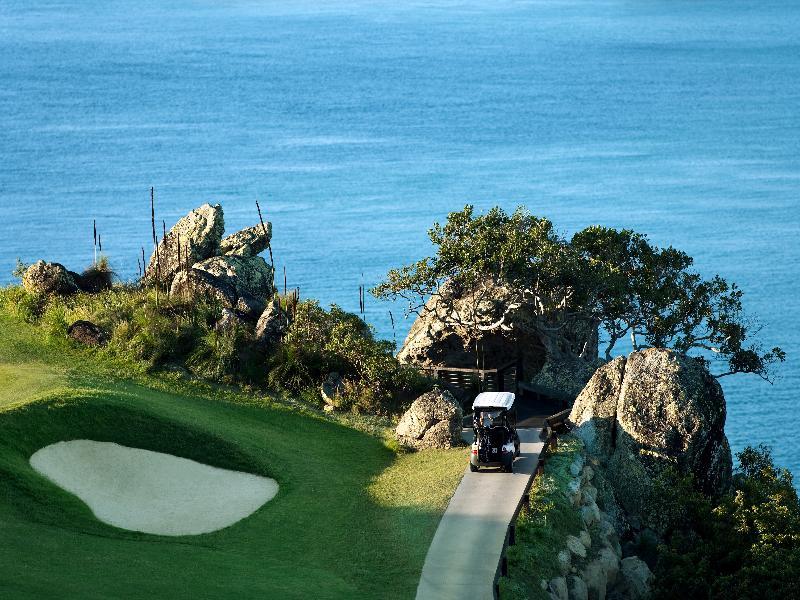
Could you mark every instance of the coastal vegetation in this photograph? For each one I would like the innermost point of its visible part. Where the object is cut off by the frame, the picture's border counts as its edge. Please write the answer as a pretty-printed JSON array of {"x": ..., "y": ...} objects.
[
  {"x": 153, "y": 332},
  {"x": 542, "y": 525},
  {"x": 744, "y": 545},
  {"x": 602, "y": 277}
]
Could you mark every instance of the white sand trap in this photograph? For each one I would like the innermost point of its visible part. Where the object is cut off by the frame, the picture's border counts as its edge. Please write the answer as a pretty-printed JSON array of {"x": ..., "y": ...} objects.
[{"x": 152, "y": 492}]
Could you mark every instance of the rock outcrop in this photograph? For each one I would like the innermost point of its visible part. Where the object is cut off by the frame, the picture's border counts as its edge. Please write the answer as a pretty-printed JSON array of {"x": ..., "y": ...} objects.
[
  {"x": 432, "y": 421},
  {"x": 652, "y": 411},
  {"x": 194, "y": 238},
  {"x": 194, "y": 260},
  {"x": 50, "y": 278},
  {"x": 634, "y": 580},
  {"x": 243, "y": 283},
  {"x": 247, "y": 242},
  {"x": 591, "y": 564},
  {"x": 436, "y": 340}
]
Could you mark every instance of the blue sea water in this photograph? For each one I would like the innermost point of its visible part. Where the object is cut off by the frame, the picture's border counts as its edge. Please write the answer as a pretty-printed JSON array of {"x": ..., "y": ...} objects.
[{"x": 357, "y": 124}]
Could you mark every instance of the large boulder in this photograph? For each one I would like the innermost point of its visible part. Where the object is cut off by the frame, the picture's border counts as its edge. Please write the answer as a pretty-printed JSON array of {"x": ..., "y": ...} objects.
[
  {"x": 247, "y": 242},
  {"x": 436, "y": 340},
  {"x": 194, "y": 238},
  {"x": 654, "y": 411},
  {"x": 432, "y": 421},
  {"x": 49, "y": 278},
  {"x": 243, "y": 283}
]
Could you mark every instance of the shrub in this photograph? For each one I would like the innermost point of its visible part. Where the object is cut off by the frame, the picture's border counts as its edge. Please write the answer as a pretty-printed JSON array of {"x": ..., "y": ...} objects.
[
  {"x": 745, "y": 546},
  {"x": 98, "y": 277},
  {"x": 321, "y": 341}
]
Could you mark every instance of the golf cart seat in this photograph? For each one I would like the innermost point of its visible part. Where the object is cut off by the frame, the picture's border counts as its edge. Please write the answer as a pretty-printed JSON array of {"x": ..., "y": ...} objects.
[{"x": 498, "y": 435}]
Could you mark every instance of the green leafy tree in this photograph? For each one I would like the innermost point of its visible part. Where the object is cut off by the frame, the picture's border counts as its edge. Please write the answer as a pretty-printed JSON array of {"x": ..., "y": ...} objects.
[
  {"x": 652, "y": 295},
  {"x": 513, "y": 273}
]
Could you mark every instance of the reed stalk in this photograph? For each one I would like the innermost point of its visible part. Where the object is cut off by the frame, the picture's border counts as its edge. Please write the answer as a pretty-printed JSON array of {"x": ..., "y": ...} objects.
[
  {"x": 269, "y": 242},
  {"x": 155, "y": 239}
]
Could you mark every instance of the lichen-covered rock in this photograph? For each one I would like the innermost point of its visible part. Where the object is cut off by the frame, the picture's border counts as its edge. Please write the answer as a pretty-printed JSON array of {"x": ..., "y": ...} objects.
[
  {"x": 610, "y": 562},
  {"x": 243, "y": 283},
  {"x": 655, "y": 410},
  {"x": 272, "y": 324},
  {"x": 564, "y": 560},
  {"x": 590, "y": 514},
  {"x": 586, "y": 538},
  {"x": 575, "y": 546},
  {"x": 589, "y": 494},
  {"x": 197, "y": 236},
  {"x": 634, "y": 580},
  {"x": 577, "y": 588},
  {"x": 87, "y": 333},
  {"x": 557, "y": 587},
  {"x": 49, "y": 278},
  {"x": 588, "y": 474},
  {"x": 594, "y": 575},
  {"x": 595, "y": 408},
  {"x": 247, "y": 242},
  {"x": 574, "y": 492},
  {"x": 576, "y": 467},
  {"x": 432, "y": 421},
  {"x": 228, "y": 320}
]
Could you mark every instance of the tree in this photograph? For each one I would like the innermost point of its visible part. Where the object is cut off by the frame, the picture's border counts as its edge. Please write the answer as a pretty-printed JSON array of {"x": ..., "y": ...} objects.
[
  {"x": 512, "y": 273},
  {"x": 491, "y": 273},
  {"x": 652, "y": 295}
]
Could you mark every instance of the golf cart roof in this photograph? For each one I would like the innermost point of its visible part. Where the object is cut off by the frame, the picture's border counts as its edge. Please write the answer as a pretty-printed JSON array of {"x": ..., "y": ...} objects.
[{"x": 504, "y": 400}]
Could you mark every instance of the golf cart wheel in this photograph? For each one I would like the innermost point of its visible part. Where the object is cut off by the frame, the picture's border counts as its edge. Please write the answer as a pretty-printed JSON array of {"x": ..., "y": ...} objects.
[{"x": 473, "y": 468}]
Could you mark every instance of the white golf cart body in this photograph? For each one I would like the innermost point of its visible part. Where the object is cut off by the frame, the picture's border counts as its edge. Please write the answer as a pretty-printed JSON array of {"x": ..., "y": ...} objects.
[{"x": 496, "y": 440}]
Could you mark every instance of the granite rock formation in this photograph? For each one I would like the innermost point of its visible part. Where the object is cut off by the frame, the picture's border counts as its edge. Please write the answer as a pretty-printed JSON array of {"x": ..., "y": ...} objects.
[{"x": 432, "y": 421}]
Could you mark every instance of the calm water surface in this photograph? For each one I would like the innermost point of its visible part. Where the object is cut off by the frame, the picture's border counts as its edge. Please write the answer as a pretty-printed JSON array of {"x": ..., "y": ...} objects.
[{"x": 358, "y": 124}]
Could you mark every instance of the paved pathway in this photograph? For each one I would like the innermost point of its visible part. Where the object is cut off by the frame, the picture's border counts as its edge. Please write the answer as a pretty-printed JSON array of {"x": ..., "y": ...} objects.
[{"x": 462, "y": 560}]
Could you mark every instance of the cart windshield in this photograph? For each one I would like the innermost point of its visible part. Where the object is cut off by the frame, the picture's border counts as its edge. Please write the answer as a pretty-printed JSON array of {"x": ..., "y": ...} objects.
[{"x": 489, "y": 418}]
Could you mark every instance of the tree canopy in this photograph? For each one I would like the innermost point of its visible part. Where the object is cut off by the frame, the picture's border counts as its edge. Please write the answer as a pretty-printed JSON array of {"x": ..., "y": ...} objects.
[{"x": 612, "y": 279}]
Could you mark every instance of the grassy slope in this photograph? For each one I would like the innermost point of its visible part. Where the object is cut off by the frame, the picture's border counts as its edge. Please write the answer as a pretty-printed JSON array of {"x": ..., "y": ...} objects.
[{"x": 352, "y": 519}]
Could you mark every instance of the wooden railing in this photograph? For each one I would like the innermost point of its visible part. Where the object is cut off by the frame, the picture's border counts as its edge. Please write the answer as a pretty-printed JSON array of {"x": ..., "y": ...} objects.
[{"x": 501, "y": 379}]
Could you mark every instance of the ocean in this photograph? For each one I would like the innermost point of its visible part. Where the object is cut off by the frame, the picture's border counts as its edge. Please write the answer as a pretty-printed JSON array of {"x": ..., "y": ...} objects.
[{"x": 358, "y": 124}]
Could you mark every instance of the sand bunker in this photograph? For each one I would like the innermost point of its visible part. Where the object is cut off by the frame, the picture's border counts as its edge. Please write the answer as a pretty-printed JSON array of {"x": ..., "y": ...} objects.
[{"x": 152, "y": 492}]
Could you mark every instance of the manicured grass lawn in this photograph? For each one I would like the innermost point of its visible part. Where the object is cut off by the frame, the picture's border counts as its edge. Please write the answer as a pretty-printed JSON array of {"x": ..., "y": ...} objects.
[{"x": 352, "y": 519}]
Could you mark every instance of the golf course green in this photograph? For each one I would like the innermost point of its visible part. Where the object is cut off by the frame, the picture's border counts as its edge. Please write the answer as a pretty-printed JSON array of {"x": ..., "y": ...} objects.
[{"x": 353, "y": 517}]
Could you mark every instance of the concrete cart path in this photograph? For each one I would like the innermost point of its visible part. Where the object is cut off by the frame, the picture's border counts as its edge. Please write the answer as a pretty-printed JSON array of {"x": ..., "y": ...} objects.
[{"x": 462, "y": 560}]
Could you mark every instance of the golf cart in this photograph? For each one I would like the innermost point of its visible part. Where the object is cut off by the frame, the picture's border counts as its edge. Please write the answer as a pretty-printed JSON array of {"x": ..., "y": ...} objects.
[{"x": 496, "y": 441}]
